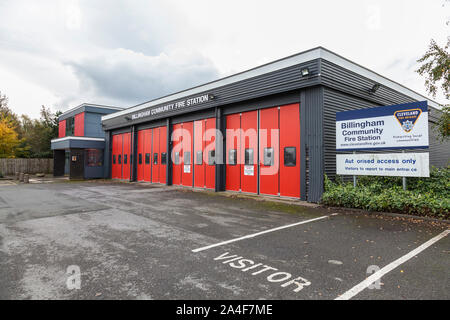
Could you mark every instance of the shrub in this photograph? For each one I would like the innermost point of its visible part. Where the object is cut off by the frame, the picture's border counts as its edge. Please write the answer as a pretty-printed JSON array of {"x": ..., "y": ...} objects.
[{"x": 423, "y": 197}]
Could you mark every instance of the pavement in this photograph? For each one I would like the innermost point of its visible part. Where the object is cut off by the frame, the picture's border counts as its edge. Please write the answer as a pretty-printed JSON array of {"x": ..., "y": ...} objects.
[{"x": 112, "y": 240}]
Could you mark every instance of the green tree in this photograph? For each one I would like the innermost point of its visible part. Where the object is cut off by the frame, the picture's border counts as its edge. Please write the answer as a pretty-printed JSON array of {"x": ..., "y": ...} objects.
[
  {"x": 435, "y": 67},
  {"x": 37, "y": 134}
]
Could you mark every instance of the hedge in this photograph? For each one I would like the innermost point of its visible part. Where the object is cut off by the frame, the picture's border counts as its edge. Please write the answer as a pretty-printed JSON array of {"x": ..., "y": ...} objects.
[{"x": 423, "y": 197}]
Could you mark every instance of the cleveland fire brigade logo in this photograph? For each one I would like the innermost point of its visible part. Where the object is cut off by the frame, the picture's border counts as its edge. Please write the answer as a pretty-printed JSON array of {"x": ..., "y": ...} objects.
[{"x": 407, "y": 118}]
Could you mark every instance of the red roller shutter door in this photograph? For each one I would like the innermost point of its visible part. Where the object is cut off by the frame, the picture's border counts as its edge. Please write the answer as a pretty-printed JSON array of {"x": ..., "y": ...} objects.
[
  {"x": 249, "y": 152},
  {"x": 176, "y": 154},
  {"x": 209, "y": 153},
  {"x": 119, "y": 156},
  {"x": 163, "y": 154},
  {"x": 155, "y": 156},
  {"x": 290, "y": 151},
  {"x": 126, "y": 156},
  {"x": 199, "y": 149},
  {"x": 147, "y": 155},
  {"x": 140, "y": 155},
  {"x": 269, "y": 151},
  {"x": 114, "y": 161},
  {"x": 233, "y": 152},
  {"x": 187, "y": 157}
]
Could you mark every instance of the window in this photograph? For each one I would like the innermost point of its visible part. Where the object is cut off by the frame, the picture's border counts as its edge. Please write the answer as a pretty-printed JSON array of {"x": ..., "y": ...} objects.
[
  {"x": 140, "y": 158},
  {"x": 212, "y": 157},
  {"x": 232, "y": 157},
  {"x": 120, "y": 159},
  {"x": 176, "y": 159},
  {"x": 248, "y": 157},
  {"x": 155, "y": 158},
  {"x": 187, "y": 157},
  {"x": 290, "y": 154},
  {"x": 114, "y": 159},
  {"x": 199, "y": 158},
  {"x": 163, "y": 158},
  {"x": 147, "y": 158},
  {"x": 125, "y": 158},
  {"x": 94, "y": 157},
  {"x": 70, "y": 126},
  {"x": 268, "y": 157}
]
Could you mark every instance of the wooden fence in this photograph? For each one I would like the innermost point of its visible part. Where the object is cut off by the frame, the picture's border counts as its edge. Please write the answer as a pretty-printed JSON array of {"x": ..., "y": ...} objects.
[{"x": 31, "y": 166}]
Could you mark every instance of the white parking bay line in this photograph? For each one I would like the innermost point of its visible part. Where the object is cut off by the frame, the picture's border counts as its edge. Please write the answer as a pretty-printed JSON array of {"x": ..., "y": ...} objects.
[
  {"x": 258, "y": 234},
  {"x": 377, "y": 275}
]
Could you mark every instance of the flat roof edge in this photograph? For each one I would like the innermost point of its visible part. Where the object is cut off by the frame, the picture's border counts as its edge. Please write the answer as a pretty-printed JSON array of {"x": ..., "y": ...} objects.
[
  {"x": 90, "y": 105},
  {"x": 77, "y": 138}
]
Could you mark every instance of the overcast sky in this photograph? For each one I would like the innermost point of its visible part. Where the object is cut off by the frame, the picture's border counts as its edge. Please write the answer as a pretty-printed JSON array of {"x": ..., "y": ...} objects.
[{"x": 64, "y": 53}]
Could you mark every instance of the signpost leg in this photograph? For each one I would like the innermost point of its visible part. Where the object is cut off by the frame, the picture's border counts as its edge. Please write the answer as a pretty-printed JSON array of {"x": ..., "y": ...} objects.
[
  {"x": 404, "y": 178},
  {"x": 354, "y": 177}
]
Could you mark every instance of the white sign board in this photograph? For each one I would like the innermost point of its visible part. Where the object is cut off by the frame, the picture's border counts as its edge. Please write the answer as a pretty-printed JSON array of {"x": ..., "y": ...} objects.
[
  {"x": 387, "y": 164},
  {"x": 187, "y": 168},
  {"x": 390, "y": 127},
  {"x": 249, "y": 171}
]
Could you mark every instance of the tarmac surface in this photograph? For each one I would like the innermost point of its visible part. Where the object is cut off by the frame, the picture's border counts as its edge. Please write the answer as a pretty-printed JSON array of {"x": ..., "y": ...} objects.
[{"x": 111, "y": 240}]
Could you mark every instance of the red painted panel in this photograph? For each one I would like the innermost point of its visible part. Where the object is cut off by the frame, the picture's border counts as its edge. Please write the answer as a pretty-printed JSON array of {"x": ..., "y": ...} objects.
[
  {"x": 156, "y": 157},
  {"x": 187, "y": 174},
  {"x": 269, "y": 143},
  {"x": 62, "y": 129},
  {"x": 126, "y": 156},
  {"x": 249, "y": 141},
  {"x": 147, "y": 155},
  {"x": 290, "y": 137},
  {"x": 119, "y": 158},
  {"x": 114, "y": 157},
  {"x": 210, "y": 145},
  {"x": 79, "y": 125},
  {"x": 199, "y": 148},
  {"x": 162, "y": 149},
  {"x": 233, "y": 143},
  {"x": 140, "y": 156},
  {"x": 177, "y": 149}
]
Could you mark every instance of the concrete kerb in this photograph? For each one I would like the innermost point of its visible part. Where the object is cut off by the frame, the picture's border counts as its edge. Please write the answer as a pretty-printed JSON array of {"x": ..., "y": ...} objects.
[{"x": 342, "y": 210}]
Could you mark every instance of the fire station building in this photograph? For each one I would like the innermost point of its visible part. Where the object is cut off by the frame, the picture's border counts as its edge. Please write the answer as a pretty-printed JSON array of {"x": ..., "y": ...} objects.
[{"x": 268, "y": 130}]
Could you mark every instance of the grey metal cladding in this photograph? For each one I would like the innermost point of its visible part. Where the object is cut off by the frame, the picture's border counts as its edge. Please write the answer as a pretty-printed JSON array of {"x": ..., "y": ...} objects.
[
  {"x": 93, "y": 125},
  {"x": 312, "y": 102},
  {"x": 192, "y": 116},
  {"x": 265, "y": 102},
  {"x": 283, "y": 80},
  {"x": 439, "y": 150},
  {"x": 149, "y": 125},
  {"x": 341, "y": 79}
]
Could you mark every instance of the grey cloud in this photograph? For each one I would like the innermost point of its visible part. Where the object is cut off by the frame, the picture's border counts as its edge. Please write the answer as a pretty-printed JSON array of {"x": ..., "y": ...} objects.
[
  {"x": 132, "y": 78},
  {"x": 141, "y": 25}
]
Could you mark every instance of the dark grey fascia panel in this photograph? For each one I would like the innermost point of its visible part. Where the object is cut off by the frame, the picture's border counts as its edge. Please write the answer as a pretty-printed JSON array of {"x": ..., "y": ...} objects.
[
  {"x": 121, "y": 130},
  {"x": 153, "y": 124},
  {"x": 192, "y": 116},
  {"x": 87, "y": 108},
  {"x": 77, "y": 143},
  {"x": 261, "y": 103}
]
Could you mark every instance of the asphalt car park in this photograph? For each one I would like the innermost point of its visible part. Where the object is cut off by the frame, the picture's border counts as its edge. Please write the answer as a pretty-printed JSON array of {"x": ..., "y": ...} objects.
[{"x": 141, "y": 241}]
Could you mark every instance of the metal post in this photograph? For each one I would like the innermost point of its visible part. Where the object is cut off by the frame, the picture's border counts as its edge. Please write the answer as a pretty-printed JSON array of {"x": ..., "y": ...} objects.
[
  {"x": 404, "y": 178},
  {"x": 354, "y": 176}
]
